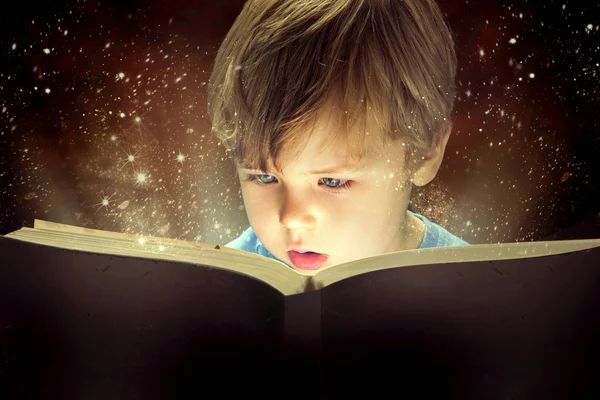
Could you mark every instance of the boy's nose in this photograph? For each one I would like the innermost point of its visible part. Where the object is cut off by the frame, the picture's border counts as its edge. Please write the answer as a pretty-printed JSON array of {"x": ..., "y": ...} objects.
[{"x": 296, "y": 213}]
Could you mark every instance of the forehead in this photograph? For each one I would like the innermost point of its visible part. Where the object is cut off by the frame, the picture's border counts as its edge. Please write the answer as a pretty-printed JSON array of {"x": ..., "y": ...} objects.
[{"x": 333, "y": 136}]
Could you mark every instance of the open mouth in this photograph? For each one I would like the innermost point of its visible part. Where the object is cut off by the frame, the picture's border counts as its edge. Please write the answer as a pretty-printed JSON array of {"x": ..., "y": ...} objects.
[{"x": 307, "y": 261}]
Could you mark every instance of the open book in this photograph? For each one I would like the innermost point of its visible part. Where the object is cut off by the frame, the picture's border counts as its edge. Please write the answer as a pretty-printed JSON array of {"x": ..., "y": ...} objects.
[
  {"x": 88, "y": 313},
  {"x": 274, "y": 273}
]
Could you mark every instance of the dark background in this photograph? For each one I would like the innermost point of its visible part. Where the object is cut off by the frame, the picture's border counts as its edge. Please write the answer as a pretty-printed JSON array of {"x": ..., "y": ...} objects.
[{"x": 86, "y": 85}]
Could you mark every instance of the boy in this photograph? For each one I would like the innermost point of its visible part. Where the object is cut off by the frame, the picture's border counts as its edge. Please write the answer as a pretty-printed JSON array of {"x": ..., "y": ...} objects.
[{"x": 331, "y": 111}]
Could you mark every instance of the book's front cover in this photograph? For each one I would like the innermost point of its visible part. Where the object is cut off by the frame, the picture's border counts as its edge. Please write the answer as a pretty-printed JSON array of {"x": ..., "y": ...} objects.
[
  {"x": 302, "y": 346},
  {"x": 512, "y": 329},
  {"x": 76, "y": 325}
]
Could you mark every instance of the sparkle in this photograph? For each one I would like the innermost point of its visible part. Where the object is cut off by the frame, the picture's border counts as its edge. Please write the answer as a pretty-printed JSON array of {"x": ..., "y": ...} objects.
[
  {"x": 141, "y": 177},
  {"x": 122, "y": 115},
  {"x": 141, "y": 240},
  {"x": 113, "y": 138},
  {"x": 531, "y": 75},
  {"x": 138, "y": 119},
  {"x": 104, "y": 202},
  {"x": 46, "y": 50},
  {"x": 180, "y": 158},
  {"x": 47, "y": 91},
  {"x": 481, "y": 52},
  {"x": 120, "y": 75},
  {"x": 512, "y": 41},
  {"x": 14, "y": 46},
  {"x": 131, "y": 158}
]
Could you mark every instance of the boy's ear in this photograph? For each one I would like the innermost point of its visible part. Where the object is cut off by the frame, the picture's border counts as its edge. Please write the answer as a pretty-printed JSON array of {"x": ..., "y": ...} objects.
[{"x": 432, "y": 160}]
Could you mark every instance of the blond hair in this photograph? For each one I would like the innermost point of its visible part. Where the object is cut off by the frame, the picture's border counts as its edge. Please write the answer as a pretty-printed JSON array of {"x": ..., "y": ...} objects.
[{"x": 390, "y": 65}]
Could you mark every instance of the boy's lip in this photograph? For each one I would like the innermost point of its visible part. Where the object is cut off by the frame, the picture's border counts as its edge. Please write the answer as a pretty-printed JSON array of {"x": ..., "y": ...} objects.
[
  {"x": 304, "y": 261},
  {"x": 301, "y": 250}
]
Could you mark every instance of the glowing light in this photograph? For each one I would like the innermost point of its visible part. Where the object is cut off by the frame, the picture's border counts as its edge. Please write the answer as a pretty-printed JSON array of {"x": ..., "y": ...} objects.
[
  {"x": 141, "y": 177},
  {"x": 138, "y": 119},
  {"x": 180, "y": 158},
  {"x": 130, "y": 159},
  {"x": 104, "y": 202},
  {"x": 47, "y": 91},
  {"x": 46, "y": 50},
  {"x": 113, "y": 138},
  {"x": 141, "y": 240}
]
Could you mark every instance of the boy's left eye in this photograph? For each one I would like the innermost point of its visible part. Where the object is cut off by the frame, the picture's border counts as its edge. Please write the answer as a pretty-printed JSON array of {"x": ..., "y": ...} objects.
[{"x": 335, "y": 185}]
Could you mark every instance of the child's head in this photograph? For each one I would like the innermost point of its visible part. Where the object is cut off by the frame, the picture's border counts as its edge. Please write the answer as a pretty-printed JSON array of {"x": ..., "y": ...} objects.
[{"x": 299, "y": 86}]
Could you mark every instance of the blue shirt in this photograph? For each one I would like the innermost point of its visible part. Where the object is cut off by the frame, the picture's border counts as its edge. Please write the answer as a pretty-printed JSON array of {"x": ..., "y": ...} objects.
[{"x": 435, "y": 236}]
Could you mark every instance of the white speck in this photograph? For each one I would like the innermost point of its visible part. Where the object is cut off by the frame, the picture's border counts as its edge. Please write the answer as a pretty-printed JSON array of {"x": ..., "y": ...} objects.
[
  {"x": 237, "y": 68},
  {"x": 161, "y": 248},
  {"x": 120, "y": 75},
  {"x": 589, "y": 27},
  {"x": 180, "y": 158},
  {"x": 512, "y": 41},
  {"x": 564, "y": 6},
  {"x": 113, "y": 138},
  {"x": 47, "y": 50},
  {"x": 531, "y": 75},
  {"x": 481, "y": 52},
  {"x": 107, "y": 45},
  {"x": 66, "y": 33},
  {"x": 14, "y": 46},
  {"x": 47, "y": 91},
  {"x": 468, "y": 93},
  {"x": 141, "y": 240},
  {"x": 138, "y": 119},
  {"x": 468, "y": 223},
  {"x": 141, "y": 177},
  {"x": 521, "y": 15},
  {"x": 177, "y": 80},
  {"x": 122, "y": 115}
]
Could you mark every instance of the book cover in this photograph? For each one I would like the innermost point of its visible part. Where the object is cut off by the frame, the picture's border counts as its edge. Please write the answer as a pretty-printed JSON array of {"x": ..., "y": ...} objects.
[{"x": 79, "y": 324}]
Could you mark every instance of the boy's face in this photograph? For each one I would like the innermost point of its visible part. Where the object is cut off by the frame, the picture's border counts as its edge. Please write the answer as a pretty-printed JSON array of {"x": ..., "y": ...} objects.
[{"x": 302, "y": 209}]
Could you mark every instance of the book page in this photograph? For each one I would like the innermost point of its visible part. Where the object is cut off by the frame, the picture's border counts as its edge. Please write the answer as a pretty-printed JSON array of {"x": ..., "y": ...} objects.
[
  {"x": 287, "y": 280},
  {"x": 443, "y": 255},
  {"x": 57, "y": 227}
]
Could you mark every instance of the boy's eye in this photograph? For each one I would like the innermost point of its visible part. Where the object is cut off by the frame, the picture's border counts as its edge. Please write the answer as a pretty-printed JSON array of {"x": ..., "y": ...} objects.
[
  {"x": 335, "y": 185},
  {"x": 267, "y": 181}
]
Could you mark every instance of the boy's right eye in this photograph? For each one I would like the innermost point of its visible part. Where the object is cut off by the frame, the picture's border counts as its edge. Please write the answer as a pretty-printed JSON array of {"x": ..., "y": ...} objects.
[{"x": 259, "y": 178}]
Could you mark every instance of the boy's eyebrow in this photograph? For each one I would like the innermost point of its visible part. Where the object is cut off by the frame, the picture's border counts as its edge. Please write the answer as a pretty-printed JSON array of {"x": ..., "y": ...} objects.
[
  {"x": 340, "y": 168},
  {"x": 328, "y": 170}
]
